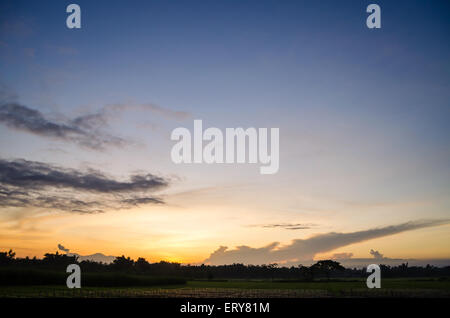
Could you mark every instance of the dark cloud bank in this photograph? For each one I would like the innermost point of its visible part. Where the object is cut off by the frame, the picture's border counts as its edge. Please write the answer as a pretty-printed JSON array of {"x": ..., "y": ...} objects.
[
  {"x": 304, "y": 250},
  {"x": 35, "y": 184}
]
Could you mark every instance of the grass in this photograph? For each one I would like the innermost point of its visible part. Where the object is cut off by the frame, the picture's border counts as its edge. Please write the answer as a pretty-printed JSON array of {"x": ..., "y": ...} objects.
[
  {"x": 388, "y": 283},
  {"x": 425, "y": 287}
]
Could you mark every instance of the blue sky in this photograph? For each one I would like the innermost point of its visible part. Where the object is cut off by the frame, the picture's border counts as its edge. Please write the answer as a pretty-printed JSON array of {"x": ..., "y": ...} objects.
[{"x": 363, "y": 114}]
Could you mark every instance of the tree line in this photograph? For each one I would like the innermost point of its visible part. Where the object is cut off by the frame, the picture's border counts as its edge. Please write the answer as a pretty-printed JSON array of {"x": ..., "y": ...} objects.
[{"x": 324, "y": 269}]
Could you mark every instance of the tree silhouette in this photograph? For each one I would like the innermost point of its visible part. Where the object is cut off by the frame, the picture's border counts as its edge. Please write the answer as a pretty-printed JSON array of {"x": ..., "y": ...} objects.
[
  {"x": 58, "y": 262},
  {"x": 142, "y": 265},
  {"x": 326, "y": 267},
  {"x": 123, "y": 263},
  {"x": 7, "y": 258}
]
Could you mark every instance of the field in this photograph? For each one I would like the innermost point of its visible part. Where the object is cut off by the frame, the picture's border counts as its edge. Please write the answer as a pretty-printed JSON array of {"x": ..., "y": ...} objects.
[{"x": 417, "y": 287}]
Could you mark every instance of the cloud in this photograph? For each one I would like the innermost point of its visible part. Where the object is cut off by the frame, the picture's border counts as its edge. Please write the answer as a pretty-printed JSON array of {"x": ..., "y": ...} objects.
[
  {"x": 23, "y": 118},
  {"x": 35, "y": 184},
  {"x": 33, "y": 174},
  {"x": 347, "y": 261},
  {"x": 289, "y": 226},
  {"x": 62, "y": 248},
  {"x": 169, "y": 113},
  {"x": 85, "y": 130},
  {"x": 139, "y": 201},
  {"x": 376, "y": 254},
  {"x": 162, "y": 111},
  {"x": 342, "y": 255},
  {"x": 301, "y": 250}
]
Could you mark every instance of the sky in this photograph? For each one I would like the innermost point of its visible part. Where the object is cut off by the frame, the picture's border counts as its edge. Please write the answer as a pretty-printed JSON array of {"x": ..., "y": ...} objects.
[{"x": 86, "y": 117}]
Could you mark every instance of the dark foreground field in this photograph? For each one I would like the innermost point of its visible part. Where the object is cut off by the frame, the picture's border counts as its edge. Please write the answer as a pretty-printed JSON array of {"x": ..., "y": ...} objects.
[{"x": 417, "y": 287}]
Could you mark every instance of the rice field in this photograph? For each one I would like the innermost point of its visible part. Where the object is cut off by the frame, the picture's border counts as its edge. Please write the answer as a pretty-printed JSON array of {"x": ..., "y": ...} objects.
[{"x": 246, "y": 289}]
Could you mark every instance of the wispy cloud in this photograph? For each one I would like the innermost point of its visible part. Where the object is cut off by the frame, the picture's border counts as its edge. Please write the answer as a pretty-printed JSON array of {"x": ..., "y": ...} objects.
[
  {"x": 289, "y": 226},
  {"x": 159, "y": 110},
  {"x": 301, "y": 250},
  {"x": 35, "y": 184},
  {"x": 86, "y": 130},
  {"x": 82, "y": 130},
  {"x": 347, "y": 260},
  {"x": 342, "y": 255},
  {"x": 62, "y": 248},
  {"x": 376, "y": 254}
]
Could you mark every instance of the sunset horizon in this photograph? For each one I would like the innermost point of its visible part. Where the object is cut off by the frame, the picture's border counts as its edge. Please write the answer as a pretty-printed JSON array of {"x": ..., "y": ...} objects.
[{"x": 211, "y": 132}]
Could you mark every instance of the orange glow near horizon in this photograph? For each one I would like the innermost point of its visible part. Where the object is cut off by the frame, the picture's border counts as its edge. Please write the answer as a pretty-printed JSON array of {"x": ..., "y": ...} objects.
[{"x": 176, "y": 235}]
